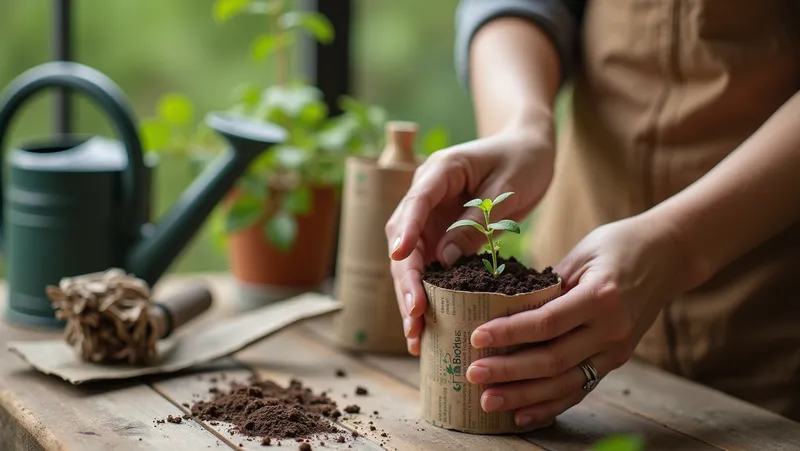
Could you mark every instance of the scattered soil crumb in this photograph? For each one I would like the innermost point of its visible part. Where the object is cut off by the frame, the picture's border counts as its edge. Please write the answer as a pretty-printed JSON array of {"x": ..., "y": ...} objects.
[
  {"x": 340, "y": 373},
  {"x": 375, "y": 412},
  {"x": 340, "y": 439},
  {"x": 361, "y": 391},
  {"x": 263, "y": 408},
  {"x": 626, "y": 392},
  {"x": 176, "y": 419},
  {"x": 266, "y": 441},
  {"x": 186, "y": 404},
  {"x": 383, "y": 434},
  {"x": 355, "y": 434},
  {"x": 305, "y": 447},
  {"x": 373, "y": 428},
  {"x": 352, "y": 408}
]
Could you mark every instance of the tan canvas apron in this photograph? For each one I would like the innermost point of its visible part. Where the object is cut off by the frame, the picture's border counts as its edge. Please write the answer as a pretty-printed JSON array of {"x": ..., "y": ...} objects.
[{"x": 668, "y": 88}]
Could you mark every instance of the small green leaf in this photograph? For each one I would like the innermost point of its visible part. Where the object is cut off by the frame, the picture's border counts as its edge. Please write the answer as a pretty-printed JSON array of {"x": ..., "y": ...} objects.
[
  {"x": 313, "y": 22},
  {"x": 266, "y": 44},
  {"x": 255, "y": 186},
  {"x": 298, "y": 201},
  {"x": 244, "y": 212},
  {"x": 486, "y": 205},
  {"x": 466, "y": 222},
  {"x": 487, "y": 248},
  {"x": 281, "y": 230},
  {"x": 501, "y": 268},
  {"x": 155, "y": 135},
  {"x": 290, "y": 156},
  {"x": 619, "y": 443},
  {"x": 488, "y": 265},
  {"x": 501, "y": 198},
  {"x": 227, "y": 9},
  {"x": 505, "y": 224},
  {"x": 435, "y": 139},
  {"x": 247, "y": 93},
  {"x": 175, "y": 109},
  {"x": 474, "y": 203}
]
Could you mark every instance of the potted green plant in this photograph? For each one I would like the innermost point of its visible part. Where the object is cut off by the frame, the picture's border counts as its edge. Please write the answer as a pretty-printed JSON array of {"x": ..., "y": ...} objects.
[
  {"x": 475, "y": 289},
  {"x": 280, "y": 222}
]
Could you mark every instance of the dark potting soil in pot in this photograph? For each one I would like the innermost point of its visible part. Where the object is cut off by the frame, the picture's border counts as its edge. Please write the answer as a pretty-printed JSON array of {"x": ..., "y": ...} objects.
[
  {"x": 469, "y": 274},
  {"x": 265, "y": 409}
]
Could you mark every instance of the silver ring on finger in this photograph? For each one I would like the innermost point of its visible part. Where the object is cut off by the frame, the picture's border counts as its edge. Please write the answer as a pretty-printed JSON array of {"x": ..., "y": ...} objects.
[{"x": 592, "y": 377}]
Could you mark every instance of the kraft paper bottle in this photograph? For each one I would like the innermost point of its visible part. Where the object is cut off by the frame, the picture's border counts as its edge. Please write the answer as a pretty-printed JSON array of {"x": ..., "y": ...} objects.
[
  {"x": 448, "y": 399},
  {"x": 370, "y": 319}
]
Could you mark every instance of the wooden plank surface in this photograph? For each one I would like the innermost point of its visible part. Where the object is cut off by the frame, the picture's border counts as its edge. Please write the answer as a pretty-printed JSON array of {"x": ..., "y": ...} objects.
[{"x": 42, "y": 412}]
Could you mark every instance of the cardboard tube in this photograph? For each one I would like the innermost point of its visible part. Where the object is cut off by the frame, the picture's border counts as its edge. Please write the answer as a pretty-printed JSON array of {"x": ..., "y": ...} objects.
[
  {"x": 370, "y": 319},
  {"x": 448, "y": 399}
]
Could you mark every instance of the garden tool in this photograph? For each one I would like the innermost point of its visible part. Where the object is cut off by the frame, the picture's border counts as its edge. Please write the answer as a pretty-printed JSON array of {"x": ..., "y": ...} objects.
[
  {"x": 111, "y": 317},
  {"x": 369, "y": 319},
  {"x": 81, "y": 204}
]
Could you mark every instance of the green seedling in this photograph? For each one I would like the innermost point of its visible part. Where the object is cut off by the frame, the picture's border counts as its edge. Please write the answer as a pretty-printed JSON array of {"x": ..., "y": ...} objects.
[{"x": 493, "y": 246}]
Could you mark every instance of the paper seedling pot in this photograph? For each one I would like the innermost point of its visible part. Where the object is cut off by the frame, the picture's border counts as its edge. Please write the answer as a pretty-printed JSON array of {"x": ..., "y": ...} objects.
[
  {"x": 448, "y": 399},
  {"x": 370, "y": 319}
]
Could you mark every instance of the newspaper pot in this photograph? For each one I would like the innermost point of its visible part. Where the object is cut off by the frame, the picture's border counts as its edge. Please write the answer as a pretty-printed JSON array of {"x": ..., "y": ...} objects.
[
  {"x": 265, "y": 273},
  {"x": 369, "y": 319},
  {"x": 449, "y": 400}
]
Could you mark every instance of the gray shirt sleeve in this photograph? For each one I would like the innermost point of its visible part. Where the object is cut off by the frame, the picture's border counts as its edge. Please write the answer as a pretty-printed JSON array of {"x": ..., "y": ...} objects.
[{"x": 559, "y": 19}]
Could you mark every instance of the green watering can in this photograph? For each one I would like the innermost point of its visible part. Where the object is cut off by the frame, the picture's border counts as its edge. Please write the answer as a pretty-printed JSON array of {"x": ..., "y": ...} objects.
[{"x": 76, "y": 205}]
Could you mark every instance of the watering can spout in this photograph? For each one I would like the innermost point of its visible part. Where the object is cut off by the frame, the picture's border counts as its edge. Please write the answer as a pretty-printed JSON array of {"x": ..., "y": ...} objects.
[{"x": 160, "y": 244}]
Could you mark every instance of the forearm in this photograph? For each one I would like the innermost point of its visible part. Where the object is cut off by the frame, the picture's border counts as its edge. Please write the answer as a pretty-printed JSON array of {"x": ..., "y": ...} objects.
[
  {"x": 515, "y": 74},
  {"x": 749, "y": 197}
]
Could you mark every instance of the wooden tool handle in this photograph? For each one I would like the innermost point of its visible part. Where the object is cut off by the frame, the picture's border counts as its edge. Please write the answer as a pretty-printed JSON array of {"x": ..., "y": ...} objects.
[{"x": 182, "y": 307}]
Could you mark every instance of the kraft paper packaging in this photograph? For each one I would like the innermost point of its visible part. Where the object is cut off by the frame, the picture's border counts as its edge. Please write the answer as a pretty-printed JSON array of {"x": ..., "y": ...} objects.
[
  {"x": 369, "y": 319},
  {"x": 448, "y": 399}
]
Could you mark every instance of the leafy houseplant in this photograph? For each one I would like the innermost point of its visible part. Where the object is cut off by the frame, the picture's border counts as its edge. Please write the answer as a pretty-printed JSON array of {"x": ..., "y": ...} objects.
[{"x": 282, "y": 215}]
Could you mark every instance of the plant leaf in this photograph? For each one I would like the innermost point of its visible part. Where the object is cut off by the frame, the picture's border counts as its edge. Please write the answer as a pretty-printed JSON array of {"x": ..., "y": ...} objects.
[
  {"x": 313, "y": 22},
  {"x": 619, "y": 443},
  {"x": 291, "y": 157},
  {"x": 255, "y": 186},
  {"x": 281, "y": 230},
  {"x": 474, "y": 203},
  {"x": 488, "y": 266},
  {"x": 435, "y": 139},
  {"x": 265, "y": 44},
  {"x": 244, "y": 212},
  {"x": 466, "y": 222},
  {"x": 175, "y": 108},
  {"x": 486, "y": 205},
  {"x": 298, "y": 201},
  {"x": 155, "y": 135},
  {"x": 227, "y": 9},
  {"x": 505, "y": 224},
  {"x": 501, "y": 198},
  {"x": 501, "y": 268},
  {"x": 291, "y": 100},
  {"x": 487, "y": 248}
]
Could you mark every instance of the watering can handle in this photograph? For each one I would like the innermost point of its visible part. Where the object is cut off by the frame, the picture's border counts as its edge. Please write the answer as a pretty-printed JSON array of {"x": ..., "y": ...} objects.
[{"x": 112, "y": 100}]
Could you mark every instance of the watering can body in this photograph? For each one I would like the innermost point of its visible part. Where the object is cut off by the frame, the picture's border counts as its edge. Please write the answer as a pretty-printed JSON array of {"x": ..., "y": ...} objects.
[{"x": 74, "y": 205}]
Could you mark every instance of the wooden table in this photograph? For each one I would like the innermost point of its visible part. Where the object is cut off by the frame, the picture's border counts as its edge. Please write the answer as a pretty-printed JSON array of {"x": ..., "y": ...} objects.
[{"x": 43, "y": 412}]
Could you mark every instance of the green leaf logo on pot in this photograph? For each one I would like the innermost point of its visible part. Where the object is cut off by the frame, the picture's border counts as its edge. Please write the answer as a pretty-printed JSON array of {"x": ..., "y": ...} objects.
[{"x": 493, "y": 246}]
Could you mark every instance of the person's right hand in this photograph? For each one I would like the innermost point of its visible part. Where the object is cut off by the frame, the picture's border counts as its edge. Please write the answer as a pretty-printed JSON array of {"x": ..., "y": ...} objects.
[{"x": 516, "y": 159}]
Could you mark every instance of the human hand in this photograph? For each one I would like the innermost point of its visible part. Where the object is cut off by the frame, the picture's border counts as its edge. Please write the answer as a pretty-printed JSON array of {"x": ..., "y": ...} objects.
[
  {"x": 616, "y": 280},
  {"x": 512, "y": 160}
]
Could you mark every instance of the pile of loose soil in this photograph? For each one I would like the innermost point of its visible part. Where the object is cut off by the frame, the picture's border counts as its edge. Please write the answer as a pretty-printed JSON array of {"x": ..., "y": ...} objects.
[
  {"x": 265, "y": 409},
  {"x": 469, "y": 274}
]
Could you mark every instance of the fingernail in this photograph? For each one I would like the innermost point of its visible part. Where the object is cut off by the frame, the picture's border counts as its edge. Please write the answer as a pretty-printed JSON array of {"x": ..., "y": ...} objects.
[
  {"x": 481, "y": 339},
  {"x": 395, "y": 246},
  {"x": 406, "y": 326},
  {"x": 409, "y": 302},
  {"x": 492, "y": 403},
  {"x": 477, "y": 374},
  {"x": 451, "y": 253},
  {"x": 524, "y": 420}
]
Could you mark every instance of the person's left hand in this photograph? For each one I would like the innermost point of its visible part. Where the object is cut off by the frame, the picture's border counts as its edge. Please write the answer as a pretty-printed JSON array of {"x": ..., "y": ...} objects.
[{"x": 615, "y": 281}]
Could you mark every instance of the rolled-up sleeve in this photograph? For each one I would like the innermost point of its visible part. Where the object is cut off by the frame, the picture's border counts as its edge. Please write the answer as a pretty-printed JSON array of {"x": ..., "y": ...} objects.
[{"x": 556, "y": 19}]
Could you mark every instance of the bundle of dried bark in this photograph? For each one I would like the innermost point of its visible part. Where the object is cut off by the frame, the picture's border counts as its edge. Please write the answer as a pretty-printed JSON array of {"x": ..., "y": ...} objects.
[{"x": 108, "y": 317}]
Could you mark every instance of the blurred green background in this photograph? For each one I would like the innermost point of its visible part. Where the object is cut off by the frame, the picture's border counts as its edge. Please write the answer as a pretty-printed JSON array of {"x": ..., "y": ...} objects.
[{"x": 402, "y": 60}]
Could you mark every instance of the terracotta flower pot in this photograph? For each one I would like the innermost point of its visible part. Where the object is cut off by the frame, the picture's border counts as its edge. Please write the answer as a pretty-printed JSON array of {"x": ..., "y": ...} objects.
[
  {"x": 450, "y": 401},
  {"x": 265, "y": 273}
]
